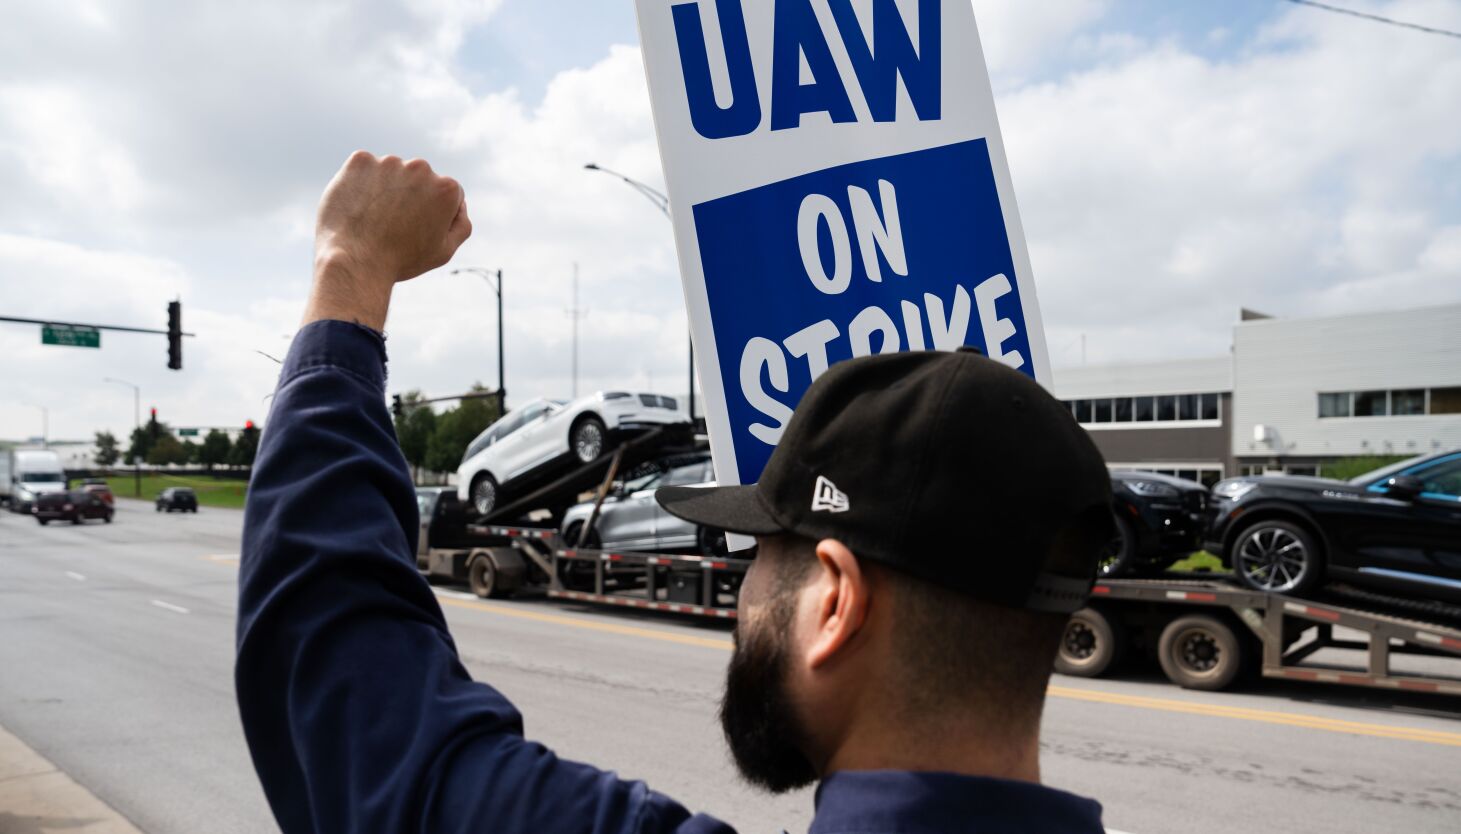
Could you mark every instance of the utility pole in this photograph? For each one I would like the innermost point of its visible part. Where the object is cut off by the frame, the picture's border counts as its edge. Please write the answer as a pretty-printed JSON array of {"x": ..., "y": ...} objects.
[
  {"x": 45, "y": 427},
  {"x": 488, "y": 275},
  {"x": 137, "y": 426}
]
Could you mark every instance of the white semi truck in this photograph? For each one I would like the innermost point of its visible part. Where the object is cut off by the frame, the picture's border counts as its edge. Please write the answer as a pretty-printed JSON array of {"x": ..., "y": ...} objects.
[{"x": 26, "y": 473}]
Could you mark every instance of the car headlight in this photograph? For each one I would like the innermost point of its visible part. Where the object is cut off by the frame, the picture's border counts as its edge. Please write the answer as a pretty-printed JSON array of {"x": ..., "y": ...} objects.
[
  {"x": 1152, "y": 489},
  {"x": 1233, "y": 490}
]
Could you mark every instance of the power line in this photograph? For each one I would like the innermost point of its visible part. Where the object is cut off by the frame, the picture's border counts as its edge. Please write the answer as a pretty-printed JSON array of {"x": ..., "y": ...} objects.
[{"x": 1376, "y": 18}]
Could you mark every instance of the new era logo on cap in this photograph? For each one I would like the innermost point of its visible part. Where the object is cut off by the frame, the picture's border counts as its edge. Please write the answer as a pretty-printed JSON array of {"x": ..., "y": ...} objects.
[{"x": 827, "y": 498}]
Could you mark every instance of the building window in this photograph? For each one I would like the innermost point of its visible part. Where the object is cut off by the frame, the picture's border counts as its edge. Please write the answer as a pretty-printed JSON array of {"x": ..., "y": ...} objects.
[
  {"x": 1206, "y": 474},
  {"x": 1209, "y": 407},
  {"x": 1446, "y": 400},
  {"x": 1166, "y": 407},
  {"x": 1122, "y": 409},
  {"x": 1406, "y": 403},
  {"x": 1102, "y": 411},
  {"x": 1083, "y": 411},
  {"x": 1371, "y": 403},
  {"x": 1146, "y": 409}
]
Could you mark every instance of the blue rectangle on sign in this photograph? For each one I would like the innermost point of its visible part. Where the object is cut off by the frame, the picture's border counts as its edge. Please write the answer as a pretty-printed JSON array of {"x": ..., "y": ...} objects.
[{"x": 907, "y": 252}]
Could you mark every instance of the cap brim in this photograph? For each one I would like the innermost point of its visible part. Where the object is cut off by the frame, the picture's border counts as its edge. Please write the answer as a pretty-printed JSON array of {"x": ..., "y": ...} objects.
[{"x": 734, "y": 509}]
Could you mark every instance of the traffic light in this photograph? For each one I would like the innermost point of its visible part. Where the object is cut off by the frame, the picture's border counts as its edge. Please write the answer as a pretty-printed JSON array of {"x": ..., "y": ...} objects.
[
  {"x": 396, "y": 408},
  {"x": 175, "y": 335},
  {"x": 153, "y": 428}
]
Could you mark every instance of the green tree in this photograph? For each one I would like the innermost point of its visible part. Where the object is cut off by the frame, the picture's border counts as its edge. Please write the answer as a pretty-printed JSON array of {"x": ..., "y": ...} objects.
[
  {"x": 245, "y": 447},
  {"x": 1345, "y": 468},
  {"x": 457, "y": 427},
  {"x": 215, "y": 449},
  {"x": 107, "y": 452},
  {"x": 191, "y": 451},
  {"x": 166, "y": 450},
  {"x": 414, "y": 428}
]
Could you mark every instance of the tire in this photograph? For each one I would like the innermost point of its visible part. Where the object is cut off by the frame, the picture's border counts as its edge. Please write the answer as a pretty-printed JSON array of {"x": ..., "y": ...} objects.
[
  {"x": 1279, "y": 557},
  {"x": 711, "y": 541},
  {"x": 484, "y": 494},
  {"x": 108, "y": 517},
  {"x": 77, "y": 520},
  {"x": 158, "y": 507},
  {"x": 590, "y": 542},
  {"x": 1201, "y": 652},
  {"x": 43, "y": 521},
  {"x": 482, "y": 577},
  {"x": 1091, "y": 645},
  {"x": 1118, "y": 558},
  {"x": 588, "y": 439}
]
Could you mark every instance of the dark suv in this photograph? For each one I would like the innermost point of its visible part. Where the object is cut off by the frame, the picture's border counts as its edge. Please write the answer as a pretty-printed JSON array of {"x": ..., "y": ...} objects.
[
  {"x": 1397, "y": 529},
  {"x": 182, "y": 499},
  {"x": 74, "y": 506},
  {"x": 1159, "y": 520}
]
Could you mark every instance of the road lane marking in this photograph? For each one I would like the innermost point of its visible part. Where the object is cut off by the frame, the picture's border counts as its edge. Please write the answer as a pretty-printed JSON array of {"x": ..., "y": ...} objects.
[
  {"x": 167, "y": 606},
  {"x": 610, "y": 628},
  {"x": 74, "y": 575},
  {"x": 221, "y": 559},
  {"x": 1292, "y": 719}
]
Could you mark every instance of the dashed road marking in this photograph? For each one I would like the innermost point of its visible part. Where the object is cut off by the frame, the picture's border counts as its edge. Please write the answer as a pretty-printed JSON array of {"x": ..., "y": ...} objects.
[
  {"x": 221, "y": 559},
  {"x": 167, "y": 606},
  {"x": 74, "y": 575}
]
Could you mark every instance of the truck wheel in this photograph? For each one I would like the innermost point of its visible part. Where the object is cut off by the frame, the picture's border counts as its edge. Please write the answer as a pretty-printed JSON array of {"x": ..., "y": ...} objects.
[
  {"x": 1091, "y": 645},
  {"x": 588, "y": 439},
  {"x": 484, "y": 494},
  {"x": 1119, "y": 556},
  {"x": 1200, "y": 652},
  {"x": 482, "y": 577},
  {"x": 1278, "y": 557}
]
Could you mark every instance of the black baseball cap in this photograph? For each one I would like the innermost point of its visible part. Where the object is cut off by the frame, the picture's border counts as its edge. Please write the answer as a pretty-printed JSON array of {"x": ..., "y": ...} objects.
[{"x": 948, "y": 466}]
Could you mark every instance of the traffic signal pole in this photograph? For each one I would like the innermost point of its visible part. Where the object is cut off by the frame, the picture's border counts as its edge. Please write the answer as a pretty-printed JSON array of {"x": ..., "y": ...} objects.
[{"x": 174, "y": 331}]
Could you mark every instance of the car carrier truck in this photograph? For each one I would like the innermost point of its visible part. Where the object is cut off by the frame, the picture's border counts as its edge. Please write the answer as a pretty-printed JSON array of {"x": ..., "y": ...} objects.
[{"x": 1204, "y": 632}]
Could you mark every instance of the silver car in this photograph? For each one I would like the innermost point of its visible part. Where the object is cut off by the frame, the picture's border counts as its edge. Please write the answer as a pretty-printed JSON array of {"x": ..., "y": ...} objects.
[{"x": 631, "y": 519}]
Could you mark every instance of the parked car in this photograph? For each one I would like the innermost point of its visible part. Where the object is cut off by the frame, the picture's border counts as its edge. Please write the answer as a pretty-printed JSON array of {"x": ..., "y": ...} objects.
[
  {"x": 630, "y": 518},
  {"x": 1159, "y": 520},
  {"x": 74, "y": 506},
  {"x": 182, "y": 499},
  {"x": 547, "y": 437},
  {"x": 1396, "y": 529},
  {"x": 99, "y": 488}
]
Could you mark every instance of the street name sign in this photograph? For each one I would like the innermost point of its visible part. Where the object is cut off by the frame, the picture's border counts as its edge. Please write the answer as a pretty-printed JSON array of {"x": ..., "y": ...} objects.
[
  {"x": 839, "y": 188},
  {"x": 70, "y": 335},
  {"x": 187, "y": 432}
]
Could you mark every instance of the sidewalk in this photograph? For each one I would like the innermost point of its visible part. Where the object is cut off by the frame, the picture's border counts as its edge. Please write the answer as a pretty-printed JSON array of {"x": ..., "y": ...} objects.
[{"x": 36, "y": 798}]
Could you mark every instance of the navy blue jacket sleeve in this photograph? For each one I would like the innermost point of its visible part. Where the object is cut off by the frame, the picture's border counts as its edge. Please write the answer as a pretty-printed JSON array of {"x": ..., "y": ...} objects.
[{"x": 359, "y": 715}]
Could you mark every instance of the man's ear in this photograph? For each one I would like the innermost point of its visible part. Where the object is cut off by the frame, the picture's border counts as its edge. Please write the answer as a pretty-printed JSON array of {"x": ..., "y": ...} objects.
[{"x": 842, "y": 597}]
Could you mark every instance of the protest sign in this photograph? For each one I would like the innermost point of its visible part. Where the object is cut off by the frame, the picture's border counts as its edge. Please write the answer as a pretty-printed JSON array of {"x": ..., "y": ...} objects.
[{"x": 838, "y": 188}]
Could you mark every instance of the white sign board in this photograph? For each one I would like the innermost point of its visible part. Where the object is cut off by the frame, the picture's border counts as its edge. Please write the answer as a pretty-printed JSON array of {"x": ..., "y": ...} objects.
[{"x": 838, "y": 188}]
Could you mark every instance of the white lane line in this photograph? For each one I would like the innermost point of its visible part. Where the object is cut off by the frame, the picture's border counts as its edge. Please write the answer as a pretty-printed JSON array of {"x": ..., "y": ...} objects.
[
  {"x": 74, "y": 575},
  {"x": 453, "y": 594},
  {"x": 167, "y": 606}
]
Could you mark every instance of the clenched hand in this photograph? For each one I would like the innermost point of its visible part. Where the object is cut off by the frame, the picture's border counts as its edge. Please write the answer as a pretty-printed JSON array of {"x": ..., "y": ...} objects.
[{"x": 381, "y": 221}]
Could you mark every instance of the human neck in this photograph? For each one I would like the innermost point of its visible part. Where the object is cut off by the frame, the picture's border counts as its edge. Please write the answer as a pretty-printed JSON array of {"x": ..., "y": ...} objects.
[{"x": 948, "y": 748}]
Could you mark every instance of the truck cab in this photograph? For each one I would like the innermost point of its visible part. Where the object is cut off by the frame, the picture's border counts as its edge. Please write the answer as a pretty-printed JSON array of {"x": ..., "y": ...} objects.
[{"x": 33, "y": 472}]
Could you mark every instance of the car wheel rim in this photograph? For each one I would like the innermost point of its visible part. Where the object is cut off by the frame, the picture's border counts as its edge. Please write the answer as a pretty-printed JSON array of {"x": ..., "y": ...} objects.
[
  {"x": 484, "y": 496},
  {"x": 588, "y": 441},
  {"x": 1273, "y": 559},
  {"x": 1198, "y": 652},
  {"x": 1110, "y": 557},
  {"x": 1080, "y": 642}
]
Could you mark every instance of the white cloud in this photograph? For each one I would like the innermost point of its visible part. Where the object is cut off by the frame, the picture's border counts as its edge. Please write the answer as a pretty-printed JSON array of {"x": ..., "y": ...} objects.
[{"x": 179, "y": 149}]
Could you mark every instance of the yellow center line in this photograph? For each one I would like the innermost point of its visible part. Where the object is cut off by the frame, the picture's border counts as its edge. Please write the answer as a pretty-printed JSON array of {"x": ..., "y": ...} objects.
[
  {"x": 611, "y": 628},
  {"x": 1289, "y": 719}
]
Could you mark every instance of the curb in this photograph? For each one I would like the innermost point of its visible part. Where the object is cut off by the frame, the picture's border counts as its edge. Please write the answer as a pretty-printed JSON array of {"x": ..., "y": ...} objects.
[{"x": 37, "y": 798}]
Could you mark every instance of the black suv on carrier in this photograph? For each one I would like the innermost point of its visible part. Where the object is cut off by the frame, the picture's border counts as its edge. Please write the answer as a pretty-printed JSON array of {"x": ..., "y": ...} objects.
[{"x": 1396, "y": 529}]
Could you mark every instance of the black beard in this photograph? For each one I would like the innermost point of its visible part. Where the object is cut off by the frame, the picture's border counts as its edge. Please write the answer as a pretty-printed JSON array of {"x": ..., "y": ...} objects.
[{"x": 757, "y": 714}]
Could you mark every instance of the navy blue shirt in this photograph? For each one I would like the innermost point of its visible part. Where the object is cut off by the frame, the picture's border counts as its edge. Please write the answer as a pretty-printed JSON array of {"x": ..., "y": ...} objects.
[{"x": 359, "y": 714}]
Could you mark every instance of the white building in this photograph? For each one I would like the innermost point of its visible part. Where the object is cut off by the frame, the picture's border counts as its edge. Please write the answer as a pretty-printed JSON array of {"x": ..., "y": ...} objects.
[{"x": 1292, "y": 395}]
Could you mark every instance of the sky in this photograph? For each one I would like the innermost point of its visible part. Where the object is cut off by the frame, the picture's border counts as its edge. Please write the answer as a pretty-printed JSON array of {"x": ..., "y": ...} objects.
[{"x": 1172, "y": 162}]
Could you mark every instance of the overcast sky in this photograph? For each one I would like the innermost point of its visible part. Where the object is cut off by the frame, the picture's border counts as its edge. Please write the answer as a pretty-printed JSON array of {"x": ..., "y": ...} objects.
[{"x": 1172, "y": 161}]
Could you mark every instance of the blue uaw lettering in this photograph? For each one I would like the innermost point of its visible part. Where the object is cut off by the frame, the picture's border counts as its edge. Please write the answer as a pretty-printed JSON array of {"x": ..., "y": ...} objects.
[
  {"x": 798, "y": 36},
  {"x": 872, "y": 330}
]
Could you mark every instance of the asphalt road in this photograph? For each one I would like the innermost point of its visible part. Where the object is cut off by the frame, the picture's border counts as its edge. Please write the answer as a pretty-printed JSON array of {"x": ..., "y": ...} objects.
[{"x": 116, "y": 651}]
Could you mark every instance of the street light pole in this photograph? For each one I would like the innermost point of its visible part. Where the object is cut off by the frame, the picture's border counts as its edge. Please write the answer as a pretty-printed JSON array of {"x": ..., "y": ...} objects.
[
  {"x": 662, "y": 203},
  {"x": 137, "y": 426},
  {"x": 487, "y": 275}
]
